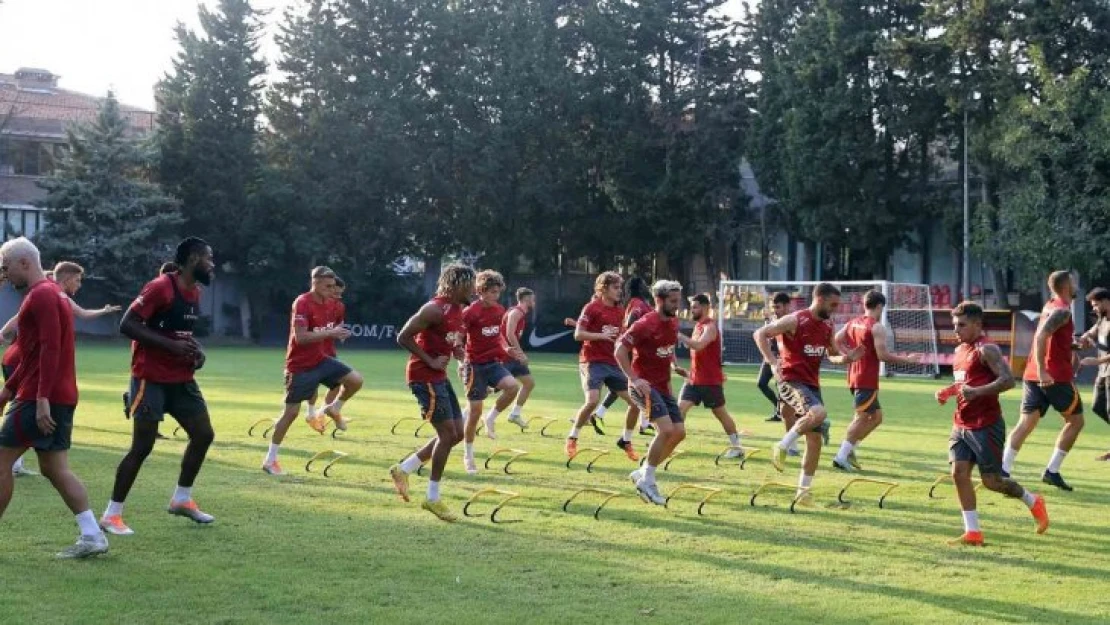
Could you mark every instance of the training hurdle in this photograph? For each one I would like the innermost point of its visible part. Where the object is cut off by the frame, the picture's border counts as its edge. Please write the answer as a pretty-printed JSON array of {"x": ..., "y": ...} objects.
[
  {"x": 176, "y": 429},
  {"x": 710, "y": 493},
  {"x": 416, "y": 433},
  {"x": 335, "y": 456},
  {"x": 269, "y": 421},
  {"x": 945, "y": 478},
  {"x": 610, "y": 495},
  {"x": 748, "y": 453},
  {"x": 597, "y": 452},
  {"x": 547, "y": 421},
  {"x": 335, "y": 431},
  {"x": 508, "y": 496},
  {"x": 513, "y": 454},
  {"x": 890, "y": 486},
  {"x": 782, "y": 485},
  {"x": 666, "y": 463}
]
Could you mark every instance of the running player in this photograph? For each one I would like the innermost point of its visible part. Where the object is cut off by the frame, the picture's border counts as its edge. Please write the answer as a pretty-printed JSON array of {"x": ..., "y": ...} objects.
[
  {"x": 780, "y": 307},
  {"x": 164, "y": 359},
  {"x": 597, "y": 329},
  {"x": 432, "y": 336},
  {"x": 484, "y": 367},
  {"x": 639, "y": 304},
  {"x": 1049, "y": 382},
  {"x": 706, "y": 382},
  {"x": 512, "y": 329},
  {"x": 1099, "y": 337},
  {"x": 645, "y": 354},
  {"x": 805, "y": 338},
  {"x": 979, "y": 431},
  {"x": 866, "y": 331},
  {"x": 339, "y": 317},
  {"x": 42, "y": 392},
  {"x": 307, "y": 366},
  {"x": 170, "y": 267}
]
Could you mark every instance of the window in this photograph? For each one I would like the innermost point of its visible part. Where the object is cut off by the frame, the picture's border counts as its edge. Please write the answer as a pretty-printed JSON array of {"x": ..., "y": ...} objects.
[{"x": 28, "y": 158}]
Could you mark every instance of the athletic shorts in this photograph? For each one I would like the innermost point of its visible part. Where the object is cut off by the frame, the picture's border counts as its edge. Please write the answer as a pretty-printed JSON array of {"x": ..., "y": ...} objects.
[
  {"x": 1064, "y": 398},
  {"x": 866, "y": 400},
  {"x": 982, "y": 447},
  {"x": 801, "y": 398},
  {"x": 595, "y": 374},
  {"x": 20, "y": 429},
  {"x": 1100, "y": 404},
  {"x": 657, "y": 405},
  {"x": 712, "y": 395},
  {"x": 437, "y": 400},
  {"x": 8, "y": 371},
  {"x": 301, "y": 386},
  {"x": 517, "y": 369},
  {"x": 480, "y": 378},
  {"x": 151, "y": 401}
]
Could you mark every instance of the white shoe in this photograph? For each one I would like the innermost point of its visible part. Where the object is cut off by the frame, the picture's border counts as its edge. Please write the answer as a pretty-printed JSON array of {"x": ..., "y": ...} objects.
[
  {"x": 489, "y": 421},
  {"x": 650, "y": 492},
  {"x": 735, "y": 452},
  {"x": 23, "y": 471},
  {"x": 516, "y": 420},
  {"x": 470, "y": 465},
  {"x": 86, "y": 546},
  {"x": 636, "y": 475}
]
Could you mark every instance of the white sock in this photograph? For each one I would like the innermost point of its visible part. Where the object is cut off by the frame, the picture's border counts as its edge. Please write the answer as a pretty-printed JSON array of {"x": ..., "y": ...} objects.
[
  {"x": 1028, "y": 498},
  {"x": 734, "y": 439},
  {"x": 337, "y": 404},
  {"x": 793, "y": 447},
  {"x": 600, "y": 412},
  {"x": 433, "y": 490},
  {"x": 492, "y": 414},
  {"x": 804, "y": 482},
  {"x": 1008, "y": 457},
  {"x": 649, "y": 473},
  {"x": 516, "y": 410},
  {"x": 470, "y": 450},
  {"x": 271, "y": 456},
  {"x": 789, "y": 439},
  {"x": 645, "y": 423},
  {"x": 845, "y": 449},
  {"x": 310, "y": 412},
  {"x": 411, "y": 464},
  {"x": 971, "y": 521},
  {"x": 115, "y": 508},
  {"x": 573, "y": 432},
  {"x": 627, "y": 435},
  {"x": 1057, "y": 460},
  {"x": 87, "y": 522},
  {"x": 18, "y": 464},
  {"x": 182, "y": 494}
]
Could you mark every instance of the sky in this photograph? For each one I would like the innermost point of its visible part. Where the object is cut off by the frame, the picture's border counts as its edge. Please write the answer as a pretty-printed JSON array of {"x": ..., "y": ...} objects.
[{"x": 123, "y": 45}]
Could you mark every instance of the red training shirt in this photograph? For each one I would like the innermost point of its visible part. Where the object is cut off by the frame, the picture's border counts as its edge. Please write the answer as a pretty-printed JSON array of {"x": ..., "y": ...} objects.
[
  {"x": 863, "y": 373},
  {"x": 1057, "y": 358},
  {"x": 45, "y": 338},
  {"x": 438, "y": 340},
  {"x": 482, "y": 325},
  {"x": 969, "y": 369},
  {"x": 597, "y": 317},
  {"x": 339, "y": 316},
  {"x": 313, "y": 315},
  {"x": 652, "y": 340},
  {"x": 636, "y": 308},
  {"x": 151, "y": 363},
  {"x": 519, "y": 325},
  {"x": 803, "y": 351},
  {"x": 705, "y": 363}
]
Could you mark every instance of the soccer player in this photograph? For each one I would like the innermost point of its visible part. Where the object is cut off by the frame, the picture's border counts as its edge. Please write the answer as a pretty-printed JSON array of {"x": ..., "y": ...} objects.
[
  {"x": 645, "y": 354},
  {"x": 512, "y": 329},
  {"x": 484, "y": 366},
  {"x": 597, "y": 329},
  {"x": 42, "y": 392},
  {"x": 706, "y": 382},
  {"x": 432, "y": 336},
  {"x": 307, "y": 365},
  {"x": 979, "y": 431},
  {"x": 339, "y": 317},
  {"x": 1049, "y": 382},
  {"x": 170, "y": 267},
  {"x": 164, "y": 359},
  {"x": 866, "y": 331},
  {"x": 780, "y": 307},
  {"x": 1099, "y": 337},
  {"x": 805, "y": 338},
  {"x": 639, "y": 304}
]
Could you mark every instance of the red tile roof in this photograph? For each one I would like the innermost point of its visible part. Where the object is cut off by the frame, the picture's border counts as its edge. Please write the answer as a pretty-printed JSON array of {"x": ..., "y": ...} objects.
[{"x": 47, "y": 110}]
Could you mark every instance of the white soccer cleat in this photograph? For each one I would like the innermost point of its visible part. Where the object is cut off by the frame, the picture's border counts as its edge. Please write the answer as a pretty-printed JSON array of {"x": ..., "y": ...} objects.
[
  {"x": 736, "y": 453},
  {"x": 85, "y": 547},
  {"x": 470, "y": 466},
  {"x": 489, "y": 422},
  {"x": 650, "y": 492},
  {"x": 518, "y": 421}
]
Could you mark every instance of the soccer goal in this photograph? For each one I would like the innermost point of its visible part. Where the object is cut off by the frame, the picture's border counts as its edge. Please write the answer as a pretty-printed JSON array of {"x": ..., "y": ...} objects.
[{"x": 744, "y": 306}]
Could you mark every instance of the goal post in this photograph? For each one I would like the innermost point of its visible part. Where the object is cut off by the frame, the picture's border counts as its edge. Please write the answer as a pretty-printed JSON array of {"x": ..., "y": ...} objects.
[{"x": 742, "y": 307}]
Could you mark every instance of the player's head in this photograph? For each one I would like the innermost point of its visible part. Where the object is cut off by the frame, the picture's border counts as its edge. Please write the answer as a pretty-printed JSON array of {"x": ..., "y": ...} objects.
[
  {"x": 700, "y": 306},
  {"x": 526, "y": 298},
  {"x": 608, "y": 286},
  {"x": 170, "y": 267},
  {"x": 489, "y": 285},
  {"x": 874, "y": 302},
  {"x": 20, "y": 262},
  {"x": 456, "y": 282},
  {"x": 780, "y": 304},
  {"x": 340, "y": 286},
  {"x": 967, "y": 319},
  {"x": 826, "y": 299},
  {"x": 638, "y": 287},
  {"x": 668, "y": 297},
  {"x": 68, "y": 275},
  {"x": 1099, "y": 298},
  {"x": 194, "y": 258},
  {"x": 323, "y": 281},
  {"x": 1061, "y": 284}
]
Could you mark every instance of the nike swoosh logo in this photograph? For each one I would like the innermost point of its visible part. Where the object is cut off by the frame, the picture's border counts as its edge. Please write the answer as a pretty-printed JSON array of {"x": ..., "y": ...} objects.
[{"x": 540, "y": 341}]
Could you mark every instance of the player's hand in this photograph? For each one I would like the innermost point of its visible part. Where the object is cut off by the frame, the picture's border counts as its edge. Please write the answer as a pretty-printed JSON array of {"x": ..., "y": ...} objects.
[
  {"x": 940, "y": 397},
  {"x": 570, "y": 323},
  {"x": 439, "y": 363},
  {"x": 5, "y": 397},
  {"x": 776, "y": 370},
  {"x": 610, "y": 333},
  {"x": 855, "y": 354},
  {"x": 1044, "y": 379},
  {"x": 1085, "y": 342},
  {"x": 43, "y": 419},
  {"x": 186, "y": 348},
  {"x": 685, "y": 340},
  {"x": 642, "y": 387},
  {"x": 111, "y": 308},
  {"x": 969, "y": 393},
  {"x": 340, "y": 332},
  {"x": 682, "y": 373},
  {"x": 914, "y": 359}
]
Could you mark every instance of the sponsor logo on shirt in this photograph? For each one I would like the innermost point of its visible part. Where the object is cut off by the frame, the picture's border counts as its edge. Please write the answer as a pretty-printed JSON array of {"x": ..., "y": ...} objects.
[
  {"x": 491, "y": 331},
  {"x": 814, "y": 351},
  {"x": 960, "y": 376},
  {"x": 665, "y": 352}
]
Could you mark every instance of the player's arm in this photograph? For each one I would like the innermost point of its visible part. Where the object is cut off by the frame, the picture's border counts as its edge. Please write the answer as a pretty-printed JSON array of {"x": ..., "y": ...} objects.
[
  {"x": 839, "y": 353},
  {"x": 9, "y": 328},
  {"x": 765, "y": 334},
  {"x": 1004, "y": 380},
  {"x": 152, "y": 299},
  {"x": 878, "y": 334},
  {"x": 84, "y": 313},
  {"x": 582, "y": 334},
  {"x": 708, "y": 335},
  {"x": 1052, "y": 323},
  {"x": 301, "y": 312},
  {"x": 512, "y": 322},
  {"x": 429, "y": 315}
]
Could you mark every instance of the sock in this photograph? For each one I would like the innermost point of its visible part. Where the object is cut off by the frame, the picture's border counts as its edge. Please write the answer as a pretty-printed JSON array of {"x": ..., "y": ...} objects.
[
  {"x": 310, "y": 413},
  {"x": 971, "y": 521},
  {"x": 845, "y": 449},
  {"x": 87, "y": 522},
  {"x": 115, "y": 508},
  {"x": 337, "y": 404},
  {"x": 470, "y": 450},
  {"x": 492, "y": 414},
  {"x": 271, "y": 456},
  {"x": 600, "y": 412},
  {"x": 182, "y": 494},
  {"x": 1057, "y": 460},
  {"x": 1028, "y": 498},
  {"x": 645, "y": 423},
  {"x": 1008, "y": 458},
  {"x": 411, "y": 464},
  {"x": 649, "y": 473},
  {"x": 18, "y": 464},
  {"x": 804, "y": 482},
  {"x": 516, "y": 410},
  {"x": 734, "y": 439},
  {"x": 433, "y": 490},
  {"x": 793, "y": 447},
  {"x": 789, "y": 440},
  {"x": 627, "y": 435},
  {"x": 573, "y": 432}
]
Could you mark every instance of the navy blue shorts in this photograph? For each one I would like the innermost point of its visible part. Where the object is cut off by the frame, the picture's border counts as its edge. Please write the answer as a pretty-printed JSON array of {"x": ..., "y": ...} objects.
[
  {"x": 517, "y": 369},
  {"x": 596, "y": 374},
  {"x": 302, "y": 386},
  {"x": 151, "y": 401},
  {"x": 1063, "y": 398},
  {"x": 982, "y": 447},
  {"x": 866, "y": 400},
  {"x": 713, "y": 396},
  {"x": 481, "y": 377},
  {"x": 437, "y": 400},
  {"x": 657, "y": 405},
  {"x": 21, "y": 430}
]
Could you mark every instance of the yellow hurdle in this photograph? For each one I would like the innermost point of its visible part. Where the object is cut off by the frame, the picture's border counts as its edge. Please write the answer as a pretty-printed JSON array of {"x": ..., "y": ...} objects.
[
  {"x": 782, "y": 485},
  {"x": 940, "y": 480},
  {"x": 513, "y": 454},
  {"x": 748, "y": 455},
  {"x": 710, "y": 492},
  {"x": 666, "y": 463},
  {"x": 597, "y": 454},
  {"x": 547, "y": 421},
  {"x": 416, "y": 433},
  {"x": 508, "y": 496},
  {"x": 336, "y": 433},
  {"x": 269, "y": 421},
  {"x": 176, "y": 429},
  {"x": 610, "y": 495},
  {"x": 890, "y": 486},
  {"x": 335, "y": 456}
]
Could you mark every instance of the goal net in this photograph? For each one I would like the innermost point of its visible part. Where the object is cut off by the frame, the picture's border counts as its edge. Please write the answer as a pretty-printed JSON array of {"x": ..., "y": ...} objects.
[{"x": 745, "y": 306}]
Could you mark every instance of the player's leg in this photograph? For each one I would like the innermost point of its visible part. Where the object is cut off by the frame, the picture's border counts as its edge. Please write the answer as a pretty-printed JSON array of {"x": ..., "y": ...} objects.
[
  {"x": 435, "y": 406},
  {"x": 332, "y": 395},
  {"x": 311, "y": 412},
  {"x": 55, "y": 467},
  {"x": 868, "y": 417},
  {"x": 788, "y": 417},
  {"x": 7, "y": 479},
  {"x": 610, "y": 399},
  {"x": 632, "y": 417},
  {"x": 523, "y": 374},
  {"x": 335, "y": 373},
  {"x": 668, "y": 434},
  {"x": 1066, "y": 400},
  {"x": 499, "y": 377},
  {"x": 472, "y": 416},
  {"x": 592, "y": 380},
  {"x": 810, "y": 461},
  {"x": 1034, "y": 403},
  {"x": 191, "y": 411},
  {"x": 985, "y": 445},
  {"x": 147, "y": 410},
  {"x": 965, "y": 492},
  {"x": 293, "y": 400},
  {"x": 806, "y": 402},
  {"x": 1101, "y": 406},
  {"x": 449, "y": 431},
  {"x": 766, "y": 374}
]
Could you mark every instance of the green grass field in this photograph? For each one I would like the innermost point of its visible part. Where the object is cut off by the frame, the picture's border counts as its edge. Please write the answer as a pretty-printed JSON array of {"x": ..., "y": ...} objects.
[{"x": 307, "y": 549}]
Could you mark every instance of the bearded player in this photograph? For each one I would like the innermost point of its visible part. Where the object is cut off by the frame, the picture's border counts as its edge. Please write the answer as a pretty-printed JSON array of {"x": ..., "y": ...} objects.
[
  {"x": 780, "y": 307},
  {"x": 639, "y": 304},
  {"x": 705, "y": 385},
  {"x": 979, "y": 431},
  {"x": 512, "y": 329}
]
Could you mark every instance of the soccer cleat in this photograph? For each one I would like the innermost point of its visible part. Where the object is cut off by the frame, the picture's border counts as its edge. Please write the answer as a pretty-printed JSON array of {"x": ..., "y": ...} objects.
[
  {"x": 628, "y": 448},
  {"x": 647, "y": 430},
  {"x": 1004, "y": 473},
  {"x": 636, "y": 475},
  {"x": 774, "y": 418},
  {"x": 650, "y": 492},
  {"x": 470, "y": 466},
  {"x": 318, "y": 423},
  {"x": 439, "y": 509},
  {"x": 490, "y": 421},
  {"x": 805, "y": 500},
  {"x": 400, "y": 481},
  {"x": 115, "y": 525},
  {"x": 969, "y": 539},
  {"x": 22, "y": 471},
  {"x": 843, "y": 466},
  {"x": 735, "y": 453},
  {"x": 1104, "y": 457},
  {"x": 518, "y": 421},
  {"x": 793, "y": 452},
  {"x": 189, "y": 510},
  {"x": 778, "y": 457},
  {"x": 1040, "y": 513},
  {"x": 571, "y": 448},
  {"x": 853, "y": 461},
  {"x": 1056, "y": 480},
  {"x": 341, "y": 423},
  {"x": 272, "y": 468},
  {"x": 596, "y": 424},
  {"x": 85, "y": 547}
]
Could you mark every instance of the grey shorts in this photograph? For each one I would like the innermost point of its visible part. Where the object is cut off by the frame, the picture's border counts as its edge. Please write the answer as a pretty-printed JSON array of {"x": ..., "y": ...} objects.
[
  {"x": 982, "y": 447},
  {"x": 596, "y": 374},
  {"x": 713, "y": 396},
  {"x": 517, "y": 369},
  {"x": 481, "y": 377},
  {"x": 20, "y": 429},
  {"x": 302, "y": 386},
  {"x": 1063, "y": 398},
  {"x": 657, "y": 405},
  {"x": 437, "y": 400}
]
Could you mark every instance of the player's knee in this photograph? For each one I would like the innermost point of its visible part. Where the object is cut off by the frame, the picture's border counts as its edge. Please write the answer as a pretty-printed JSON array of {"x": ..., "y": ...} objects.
[
  {"x": 818, "y": 414},
  {"x": 877, "y": 418},
  {"x": 353, "y": 381},
  {"x": 961, "y": 471},
  {"x": 992, "y": 481},
  {"x": 1076, "y": 421},
  {"x": 202, "y": 436},
  {"x": 678, "y": 434}
]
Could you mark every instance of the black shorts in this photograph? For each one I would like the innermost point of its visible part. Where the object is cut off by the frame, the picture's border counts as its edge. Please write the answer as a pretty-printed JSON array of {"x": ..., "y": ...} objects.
[
  {"x": 481, "y": 377},
  {"x": 437, "y": 400},
  {"x": 595, "y": 374},
  {"x": 21, "y": 430},
  {"x": 301, "y": 386},
  {"x": 657, "y": 405},
  {"x": 517, "y": 369},
  {"x": 712, "y": 395},
  {"x": 866, "y": 400},
  {"x": 151, "y": 401},
  {"x": 1064, "y": 398},
  {"x": 1100, "y": 404},
  {"x": 982, "y": 447},
  {"x": 8, "y": 371},
  {"x": 801, "y": 398}
]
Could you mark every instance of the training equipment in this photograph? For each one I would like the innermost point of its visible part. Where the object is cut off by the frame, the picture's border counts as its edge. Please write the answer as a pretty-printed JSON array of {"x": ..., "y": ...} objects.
[
  {"x": 940, "y": 480},
  {"x": 802, "y": 492},
  {"x": 176, "y": 429},
  {"x": 596, "y": 452},
  {"x": 890, "y": 486},
  {"x": 609, "y": 496},
  {"x": 512, "y": 453},
  {"x": 908, "y": 317},
  {"x": 508, "y": 496},
  {"x": 710, "y": 493},
  {"x": 547, "y": 421},
  {"x": 416, "y": 433},
  {"x": 667, "y": 462},
  {"x": 745, "y": 453},
  {"x": 270, "y": 423},
  {"x": 334, "y": 455},
  {"x": 335, "y": 431}
]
